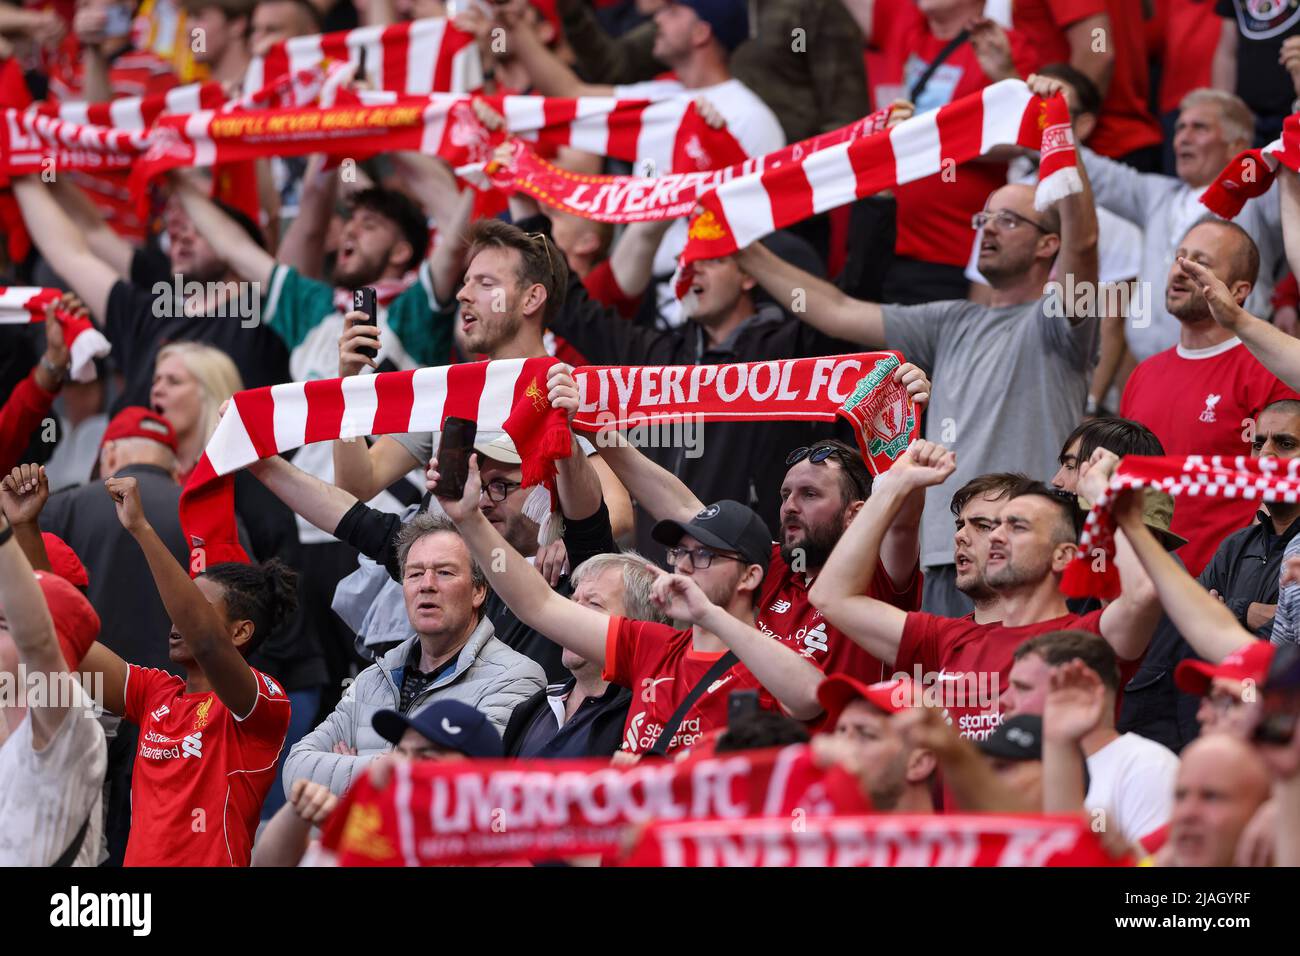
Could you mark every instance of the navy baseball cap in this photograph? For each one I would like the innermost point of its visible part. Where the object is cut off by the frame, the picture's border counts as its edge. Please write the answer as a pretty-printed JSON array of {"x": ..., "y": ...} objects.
[
  {"x": 723, "y": 526},
  {"x": 728, "y": 18},
  {"x": 452, "y": 724}
]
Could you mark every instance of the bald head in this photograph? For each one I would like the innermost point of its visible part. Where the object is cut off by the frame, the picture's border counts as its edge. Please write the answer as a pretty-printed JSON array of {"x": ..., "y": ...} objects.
[{"x": 1222, "y": 781}]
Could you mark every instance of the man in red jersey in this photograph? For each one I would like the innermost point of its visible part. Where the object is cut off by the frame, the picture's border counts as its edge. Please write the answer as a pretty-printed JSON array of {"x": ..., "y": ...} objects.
[
  {"x": 1202, "y": 396},
  {"x": 1028, "y": 551},
  {"x": 208, "y": 741},
  {"x": 826, "y": 485}
]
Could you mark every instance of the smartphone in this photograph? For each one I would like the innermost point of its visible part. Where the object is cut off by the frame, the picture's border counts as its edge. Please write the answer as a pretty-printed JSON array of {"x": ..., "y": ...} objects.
[
  {"x": 1280, "y": 700},
  {"x": 454, "y": 448},
  {"x": 364, "y": 300},
  {"x": 117, "y": 20},
  {"x": 740, "y": 705}
]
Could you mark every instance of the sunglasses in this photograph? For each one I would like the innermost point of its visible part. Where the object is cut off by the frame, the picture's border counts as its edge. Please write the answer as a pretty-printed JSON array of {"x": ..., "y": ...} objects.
[{"x": 819, "y": 453}]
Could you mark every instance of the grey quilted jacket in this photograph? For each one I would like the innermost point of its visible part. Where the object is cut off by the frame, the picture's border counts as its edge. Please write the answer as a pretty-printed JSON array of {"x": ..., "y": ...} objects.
[{"x": 487, "y": 675}]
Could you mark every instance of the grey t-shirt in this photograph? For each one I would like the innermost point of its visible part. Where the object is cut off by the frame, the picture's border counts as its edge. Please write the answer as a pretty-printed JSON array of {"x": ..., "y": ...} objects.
[
  {"x": 1009, "y": 385},
  {"x": 422, "y": 444}
]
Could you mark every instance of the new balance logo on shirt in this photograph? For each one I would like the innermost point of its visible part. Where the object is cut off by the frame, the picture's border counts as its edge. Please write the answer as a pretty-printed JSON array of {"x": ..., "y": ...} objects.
[{"x": 779, "y": 607}]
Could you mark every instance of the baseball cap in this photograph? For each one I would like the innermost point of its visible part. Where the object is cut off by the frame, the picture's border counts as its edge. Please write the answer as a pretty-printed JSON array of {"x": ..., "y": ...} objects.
[
  {"x": 502, "y": 449},
  {"x": 838, "y": 691},
  {"x": 64, "y": 561},
  {"x": 1017, "y": 738},
  {"x": 728, "y": 18},
  {"x": 136, "y": 421},
  {"x": 448, "y": 723},
  {"x": 725, "y": 526},
  {"x": 1249, "y": 662},
  {"x": 1157, "y": 515},
  {"x": 76, "y": 624}
]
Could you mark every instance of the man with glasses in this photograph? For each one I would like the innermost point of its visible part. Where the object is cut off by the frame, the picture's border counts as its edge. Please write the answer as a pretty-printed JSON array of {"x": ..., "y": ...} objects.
[{"x": 1011, "y": 378}]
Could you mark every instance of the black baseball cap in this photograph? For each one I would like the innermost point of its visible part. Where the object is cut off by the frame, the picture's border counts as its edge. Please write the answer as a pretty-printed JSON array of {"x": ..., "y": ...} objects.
[
  {"x": 1017, "y": 738},
  {"x": 448, "y": 723},
  {"x": 724, "y": 526}
]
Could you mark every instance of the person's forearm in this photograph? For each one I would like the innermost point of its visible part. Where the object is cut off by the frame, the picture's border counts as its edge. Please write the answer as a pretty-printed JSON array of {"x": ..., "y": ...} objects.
[
  {"x": 661, "y": 493},
  {"x": 284, "y": 841},
  {"x": 848, "y": 571},
  {"x": 1113, "y": 348},
  {"x": 789, "y": 677},
  {"x": 1063, "y": 788},
  {"x": 1079, "y": 243},
  {"x": 550, "y": 76},
  {"x": 813, "y": 300},
  {"x": 1096, "y": 64},
  {"x": 303, "y": 245},
  {"x": 26, "y": 616},
  {"x": 354, "y": 472},
  {"x": 1286, "y": 849},
  {"x": 249, "y": 260},
  {"x": 1208, "y": 626},
  {"x": 632, "y": 261},
  {"x": 1223, "y": 67},
  {"x": 28, "y": 536},
  {"x": 1276, "y": 351},
  {"x": 379, "y": 13},
  {"x": 193, "y": 616},
  {"x": 447, "y": 260},
  {"x": 95, "y": 84},
  {"x": 62, "y": 245},
  {"x": 89, "y": 222},
  {"x": 578, "y": 484},
  {"x": 321, "y": 503},
  {"x": 1289, "y": 201}
]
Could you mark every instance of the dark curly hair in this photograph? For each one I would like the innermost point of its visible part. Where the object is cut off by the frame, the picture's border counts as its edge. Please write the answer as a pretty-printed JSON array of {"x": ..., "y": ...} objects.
[{"x": 266, "y": 594}]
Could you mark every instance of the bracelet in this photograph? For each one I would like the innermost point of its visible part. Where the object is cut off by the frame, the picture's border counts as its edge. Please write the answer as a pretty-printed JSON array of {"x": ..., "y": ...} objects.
[
  {"x": 59, "y": 372},
  {"x": 6, "y": 534}
]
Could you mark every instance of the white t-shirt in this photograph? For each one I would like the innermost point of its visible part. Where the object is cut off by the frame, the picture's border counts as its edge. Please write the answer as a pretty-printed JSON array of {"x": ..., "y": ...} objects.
[
  {"x": 748, "y": 118},
  {"x": 45, "y": 797},
  {"x": 1132, "y": 779}
]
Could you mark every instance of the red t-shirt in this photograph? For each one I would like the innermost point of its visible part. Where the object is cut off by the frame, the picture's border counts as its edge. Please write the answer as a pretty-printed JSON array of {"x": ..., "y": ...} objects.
[
  {"x": 974, "y": 658},
  {"x": 1043, "y": 22},
  {"x": 200, "y": 774},
  {"x": 660, "y": 667},
  {"x": 784, "y": 613},
  {"x": 1202, "y": 403},
  {"x": 933, "y": 213},
  {"x": 1190, "y": 35},
  {"x": 1126, "y": 122}
]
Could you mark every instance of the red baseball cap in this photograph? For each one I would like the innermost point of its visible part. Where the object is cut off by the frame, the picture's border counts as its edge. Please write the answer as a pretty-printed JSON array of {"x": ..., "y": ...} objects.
[
  {"x": 64, "y": 561},
  {"x": 838, "y": 691},
  {"x": 136, "y": 421},
  {"x": 75, "y": 622},
  {"x": 1248, "y": 662}
]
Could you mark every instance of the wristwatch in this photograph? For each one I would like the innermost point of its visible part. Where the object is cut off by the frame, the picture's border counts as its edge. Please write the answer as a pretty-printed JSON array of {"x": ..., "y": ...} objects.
[{"x": 60, "y": 372}]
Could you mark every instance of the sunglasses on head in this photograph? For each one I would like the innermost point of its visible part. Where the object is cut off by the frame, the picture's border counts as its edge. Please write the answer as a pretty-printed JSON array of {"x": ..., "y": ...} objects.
[{"x": 819, "y": 453}]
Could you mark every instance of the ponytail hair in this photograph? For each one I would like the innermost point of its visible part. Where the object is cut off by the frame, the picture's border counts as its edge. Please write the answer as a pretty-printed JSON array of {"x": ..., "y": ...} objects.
[{"x": 266, "y": 594}]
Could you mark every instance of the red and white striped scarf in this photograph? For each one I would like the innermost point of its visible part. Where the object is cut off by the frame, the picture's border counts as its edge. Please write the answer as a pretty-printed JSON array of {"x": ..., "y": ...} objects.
[
  {"x": 511, "y": 396},
  {"x": 1251, "y": 173},
  {"x": 22, "y": 305},
  {"x": 1093, "y": 572},
  {"x": 641, "y": 198},
  {"x": 411, "y": 59},
  {"x": 1006, "y": 113}
]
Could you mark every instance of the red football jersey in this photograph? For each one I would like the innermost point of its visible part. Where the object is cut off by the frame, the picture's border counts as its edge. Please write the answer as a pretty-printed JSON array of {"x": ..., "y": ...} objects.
[
  {"x": 660, "y": 667},
  {"x": 200, "y": 773},
  {"x": 1042, "y": 23},
  {"x": 784, "y": 613},
  {"x": 968, "y": 663},
  {"x": 934, "y": 213},
  {"x": 1126, "y": 123},
  {"x": 1203, "y": 402}
]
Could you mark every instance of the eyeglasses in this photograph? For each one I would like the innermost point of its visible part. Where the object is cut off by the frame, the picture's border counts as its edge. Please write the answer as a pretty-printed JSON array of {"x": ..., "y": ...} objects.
[
  {"x": 498, "y": 489},
  {"x": 1005, "y": 219},
  {"x": 701, "y": 558}
]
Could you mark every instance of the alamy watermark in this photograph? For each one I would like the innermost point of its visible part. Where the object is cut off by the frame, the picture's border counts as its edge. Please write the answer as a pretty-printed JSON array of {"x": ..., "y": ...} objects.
[
  {"x": 220, "y": 300},
  {"x": 622, "y": 428}
]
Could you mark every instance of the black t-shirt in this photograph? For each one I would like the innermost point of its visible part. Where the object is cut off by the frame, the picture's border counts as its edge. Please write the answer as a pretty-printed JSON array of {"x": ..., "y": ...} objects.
[
  {"x": 139, "y": 322},
  {"x": 1261, "y": 81}
]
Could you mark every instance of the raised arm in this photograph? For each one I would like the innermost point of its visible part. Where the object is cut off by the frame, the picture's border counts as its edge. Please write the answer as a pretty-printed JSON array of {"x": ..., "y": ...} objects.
[
  {"x": 1073, "y": 709},
  {"x": 1276, "y": 351},
  {"x": 63, "y": 246},
  {"x": 287, "y": 836},
  {"x": 1288, "y": 182},
  {"x": 1130, "y": 620},
  {"x": 303, "y": 245},
  {"x": 192, "y": 614},
  {"x": 23, "y": 493},
  {"x": 577, "y": 483},
  {"x": 111, "y": 248},
  {"x": 32, "y": 630},
  {"x": 517, "y": 582},
  {"x": 250, "y": 261},
  {"x": 322, "y": 504},
  {"x": 1223, "y": 67},
  {"x": 826, "y": 308},
  {"x": 862, "y": 11},
  {"x": 632, "y": 259},
  {"x": 451, "y": 207},
  {"x": 550, "y": 75},
  {"x": 840, "y": 590}
]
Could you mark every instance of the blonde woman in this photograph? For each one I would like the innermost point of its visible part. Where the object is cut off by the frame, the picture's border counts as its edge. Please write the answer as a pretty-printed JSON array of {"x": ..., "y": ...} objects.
[{"x": 190, "y": 381}]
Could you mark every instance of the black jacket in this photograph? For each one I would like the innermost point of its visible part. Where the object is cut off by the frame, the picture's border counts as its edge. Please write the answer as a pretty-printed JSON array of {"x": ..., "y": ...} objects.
[
  {"x": 606, "y": 735},
  {"x": 374, "y": 534},
  {"x": 1245, "y": 568},
  {"x": 738, "y": 460}
]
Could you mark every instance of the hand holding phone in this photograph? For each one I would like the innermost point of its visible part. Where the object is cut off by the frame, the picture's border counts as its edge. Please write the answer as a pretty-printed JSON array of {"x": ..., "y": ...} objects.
[
  {"x": 365, "y": 300},
  {"x": 454, "y": 448}
]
